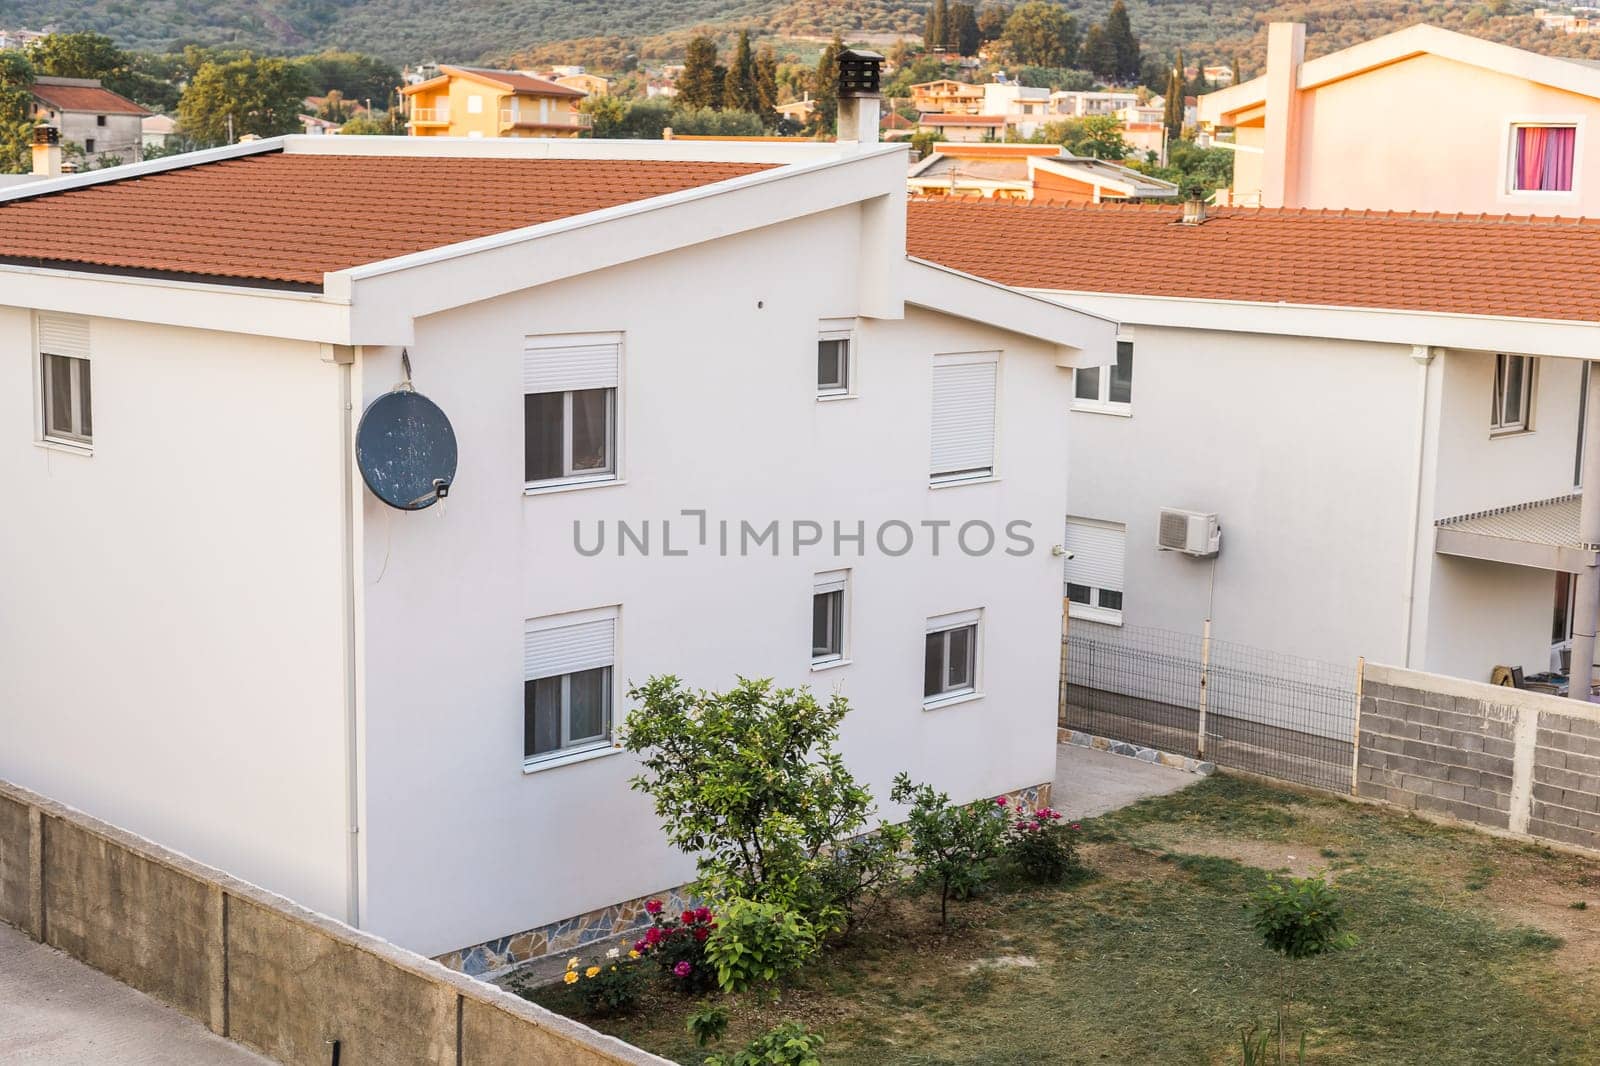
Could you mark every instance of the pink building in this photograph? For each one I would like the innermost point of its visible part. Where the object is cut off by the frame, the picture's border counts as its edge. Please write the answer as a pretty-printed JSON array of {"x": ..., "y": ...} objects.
[{"x": 1419, "y": 120}]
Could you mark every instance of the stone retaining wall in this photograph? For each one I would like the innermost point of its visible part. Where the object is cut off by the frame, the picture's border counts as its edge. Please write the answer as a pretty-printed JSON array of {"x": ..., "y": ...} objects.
[
  {"x": 1520, "y": 762},
  {"x": 254, "y": 967}
]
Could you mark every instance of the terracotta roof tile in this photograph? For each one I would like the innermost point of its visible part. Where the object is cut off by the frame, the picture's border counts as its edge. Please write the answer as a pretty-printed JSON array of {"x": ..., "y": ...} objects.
[
  {"x": 519, "y": 82},
  {"x": 1481, "y": 265},
  {"x": 85, "y": 98},
  {"x": 286, "y": 219}
]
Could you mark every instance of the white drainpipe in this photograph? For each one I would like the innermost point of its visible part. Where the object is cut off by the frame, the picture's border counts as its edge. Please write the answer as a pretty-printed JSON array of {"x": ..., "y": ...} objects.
[{"x": 1423, "y": 356}]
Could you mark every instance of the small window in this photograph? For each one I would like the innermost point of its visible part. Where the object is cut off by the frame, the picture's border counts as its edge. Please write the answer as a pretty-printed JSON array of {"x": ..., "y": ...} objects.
[
  {"x": 88, "y": 145},
  {"x": 1542, "y": 159},
  {"x": 833, "y": 356},
  {"x": 1514, "y": 380},
  {"x": 1107, "y": 388},
  {"x": 1094, "y": 571},
  {"x": 964, "y": 394},
  {"x": 569, "y": 410},
  {"x": 828, "y": 618},
  {"x": 567, "y": 687},
  {"x": 99, "y": 120},
  {"x": 474, "y": 104},
  {"x": 65, "y": 393},
  {"x": 950, "y": 658}
]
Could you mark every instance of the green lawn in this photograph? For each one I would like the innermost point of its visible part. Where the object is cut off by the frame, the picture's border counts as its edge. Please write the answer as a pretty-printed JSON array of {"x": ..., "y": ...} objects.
[{"x": 1470, "y": 951}]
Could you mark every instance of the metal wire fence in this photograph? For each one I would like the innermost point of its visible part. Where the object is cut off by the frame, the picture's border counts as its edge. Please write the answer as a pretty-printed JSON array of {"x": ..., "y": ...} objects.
[{"x": 1238, "y": 706}]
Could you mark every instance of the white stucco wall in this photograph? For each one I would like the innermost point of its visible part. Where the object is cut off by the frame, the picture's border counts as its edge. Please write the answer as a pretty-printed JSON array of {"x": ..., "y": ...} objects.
[
  {"x": 170, "y": 625},
  {"x": 1300, "y": 445},
  {"x": 719, "y": 412}
]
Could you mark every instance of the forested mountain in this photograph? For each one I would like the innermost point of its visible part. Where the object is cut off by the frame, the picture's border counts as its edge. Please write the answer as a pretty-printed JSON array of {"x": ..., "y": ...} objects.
[{"x": 465, "y": 30}]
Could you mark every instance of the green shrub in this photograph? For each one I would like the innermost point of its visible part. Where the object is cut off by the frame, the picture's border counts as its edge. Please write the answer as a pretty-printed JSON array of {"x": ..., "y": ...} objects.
[
  {"x": 678, "y": 945},
  {"x": 954, "y": 847},
  {"x": 707, "y": 1025},
  {"x": 1299, "y": 918},
  {"x": 756, "y": 943},
  {"x": 605, "y": 985},
  {"x": 1040, "y": 846},
  {"x": 789, "y": 1044}
]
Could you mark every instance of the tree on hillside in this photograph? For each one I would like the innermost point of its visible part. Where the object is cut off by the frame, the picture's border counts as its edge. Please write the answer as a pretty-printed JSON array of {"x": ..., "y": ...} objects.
[
  {"x": 964, "y": 32},
  {"x": 825, "y": 86},
  {"x": 936, "y": 31},
  {"x": 1097, "y": 54},
  {"x": 1119, "y": 31},
  {"x": 698, "y": 84},
  {"x": 992, "y": 22},
  {"x": 1172, "y": 116},
  {"x": 1042, "y": 34},
  {"x": 77, "y": 55},
  {"x": 1099, "y": 136},
  {"x": 16, "y": 113},
  {"x": 739, "y": 84},
  {"x": 767, "y": 85},
  {"x": 259, "y": 96},
  {"x": 357, "y": 77}
]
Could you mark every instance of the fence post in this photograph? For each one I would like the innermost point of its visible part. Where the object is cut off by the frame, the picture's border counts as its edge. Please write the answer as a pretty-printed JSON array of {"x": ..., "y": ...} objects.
[
  {"x": 1355, "y": 728},
  {"x": 1205, "y": 684},
  {"x": 1061, "y": 684}
]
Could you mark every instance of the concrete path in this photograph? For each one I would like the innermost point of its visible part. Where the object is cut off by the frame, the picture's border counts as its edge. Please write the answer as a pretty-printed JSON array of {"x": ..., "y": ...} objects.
[
  {"x": 56, "y": 1010},
  {"x": 1090, "y": 782}
]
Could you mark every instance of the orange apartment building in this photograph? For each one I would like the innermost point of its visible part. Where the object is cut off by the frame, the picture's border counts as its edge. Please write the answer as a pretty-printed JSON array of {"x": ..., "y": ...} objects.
[{"x": 473, "y": 102}]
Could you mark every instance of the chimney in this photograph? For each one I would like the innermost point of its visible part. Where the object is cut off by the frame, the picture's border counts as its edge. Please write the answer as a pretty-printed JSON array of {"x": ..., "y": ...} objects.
[
  {"x": 1194, "y": 211},
  {"x": 47, "y": 151},
  {"x": 1286, "y": 50},
  {"x": 858, "y": 96}
]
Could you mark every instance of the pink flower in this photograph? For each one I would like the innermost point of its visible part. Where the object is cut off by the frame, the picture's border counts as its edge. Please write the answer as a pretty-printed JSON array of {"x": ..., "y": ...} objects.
[
  {"x": 1000, "y": 801},
  {"x": 701, "y": 932},
  {"x": 703, "y": 914},
  {"x": 640, "y": 946},
  {"x": 683, "y": 968},
  {"x": 652, "y": 907},
  {"x": 653, "y": 935},
  {"x": 1075, "y": 825}
]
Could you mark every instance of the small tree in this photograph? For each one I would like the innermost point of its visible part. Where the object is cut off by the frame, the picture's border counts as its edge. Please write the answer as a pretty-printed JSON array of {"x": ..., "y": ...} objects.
[
  {"x": 954, "y": 847},
  {"x": 1299, "y": 918},
  {"x": 747, "y": 780},
  {"x": 700, "y": 83}
]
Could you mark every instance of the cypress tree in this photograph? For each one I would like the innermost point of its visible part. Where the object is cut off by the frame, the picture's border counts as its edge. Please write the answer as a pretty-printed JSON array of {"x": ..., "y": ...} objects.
[
  {"x": 964, "y": 29},
  {"x": 825, "y": 85},
  {"x": 697, "y": 85},
  {"x": 936, "y": 38},
  {"x": 1172, "y": 116},
  {"x": 739, "y": 87},
  {"x": 1119, "y": 33},
  {"x": 767, "y": 85}
]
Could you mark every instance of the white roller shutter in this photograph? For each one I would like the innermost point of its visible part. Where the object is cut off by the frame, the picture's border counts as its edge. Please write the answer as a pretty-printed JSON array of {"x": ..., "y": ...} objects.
[
  {"x": 563, "y": 364},
  {"x": 568, "y": 649},
  {"x": 64, "y": 335},
  {"x": 1097, "y": 550},
  {"x": 963, "y": 417}
]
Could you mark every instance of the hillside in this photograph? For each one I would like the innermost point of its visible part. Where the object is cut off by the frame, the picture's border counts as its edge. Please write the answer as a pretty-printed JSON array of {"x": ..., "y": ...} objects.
[{"x": 464, "y": 30}]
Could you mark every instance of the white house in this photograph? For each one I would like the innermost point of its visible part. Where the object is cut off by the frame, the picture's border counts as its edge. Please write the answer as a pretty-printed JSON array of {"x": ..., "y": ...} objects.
[
  {"x": 809, "y": 457},
  {"x": 1383, "y": 412}
]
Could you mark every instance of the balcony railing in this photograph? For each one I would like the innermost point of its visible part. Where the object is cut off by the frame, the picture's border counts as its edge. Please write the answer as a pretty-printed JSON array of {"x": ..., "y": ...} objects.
[
  {"x": 562, "y": 119},
  {"x": 421, "y": 115}
]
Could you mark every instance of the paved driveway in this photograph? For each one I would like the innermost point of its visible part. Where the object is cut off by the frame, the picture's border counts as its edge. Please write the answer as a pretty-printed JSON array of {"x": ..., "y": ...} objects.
[
  {"x": 1090, "y": 782},
  {"x": 56, "y": 1010}
]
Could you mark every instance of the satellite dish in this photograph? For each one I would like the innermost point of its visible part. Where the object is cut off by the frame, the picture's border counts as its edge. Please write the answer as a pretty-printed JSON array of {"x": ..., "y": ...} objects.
[{"x": 406, "y": 450}]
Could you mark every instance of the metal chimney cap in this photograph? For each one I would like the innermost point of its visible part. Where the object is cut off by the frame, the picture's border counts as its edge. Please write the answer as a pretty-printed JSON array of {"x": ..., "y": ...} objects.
[
  {"x": 46, "y": 135},
  {"x": 859, "y": 71}
]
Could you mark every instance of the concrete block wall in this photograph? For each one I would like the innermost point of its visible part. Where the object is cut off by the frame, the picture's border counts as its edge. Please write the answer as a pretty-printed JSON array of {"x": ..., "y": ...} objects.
[
  {"x": 255, "y": 967},
  {"x": 1518, "y": 762}
]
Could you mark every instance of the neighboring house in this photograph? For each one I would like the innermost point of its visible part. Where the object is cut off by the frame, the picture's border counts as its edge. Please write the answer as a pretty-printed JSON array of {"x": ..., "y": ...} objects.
[
  {"x": 1024, "y": 108},
  {"x": 11, "y": 40},
  {"x": 317, "y": 127},
  {"x": 584, "y": 82},
  {"x": 1382, "y": 410},
  {"x": 1042, "y": 172},
  {"x": 1220, "y": 76},
  {"x": 105, "y": 125},
  {"x": 1082, "y": 104},
  {"x": 216, "y": 636},
  {"x": 947, "y": 97},
  {"x": 1419, "y": 120},
  {"x": 158, "y": 131},
  {"x": 472, "y": 102},
  {"x": 961, "y": 127},
  {"x": 799, "y": 110}
]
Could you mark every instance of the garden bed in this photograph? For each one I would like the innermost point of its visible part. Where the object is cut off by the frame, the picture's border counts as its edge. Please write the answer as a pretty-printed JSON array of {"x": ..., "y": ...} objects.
[{"x": 1470, "y": 950}]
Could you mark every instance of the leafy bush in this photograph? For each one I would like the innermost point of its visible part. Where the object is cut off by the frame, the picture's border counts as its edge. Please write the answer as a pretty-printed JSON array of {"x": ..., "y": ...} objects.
[
  {"x": 748, "y": 781},
  {"x": 678, "y": 945},
  {"x": 607, "y": 985},
  {"x": 789, "y": 1044},
  {"x": 954, "y": 847},
  {"x": 1040, "y": 846},
  {"x": 707, "y": 1025},
  {"x": 758, "y": 942},
  {"x": 1299, "y": 918}
]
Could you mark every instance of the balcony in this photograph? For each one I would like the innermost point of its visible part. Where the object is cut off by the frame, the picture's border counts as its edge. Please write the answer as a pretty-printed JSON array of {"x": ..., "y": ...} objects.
[
  {"x": 430, "y": 116},
  {"x": 513, "y": 118}
]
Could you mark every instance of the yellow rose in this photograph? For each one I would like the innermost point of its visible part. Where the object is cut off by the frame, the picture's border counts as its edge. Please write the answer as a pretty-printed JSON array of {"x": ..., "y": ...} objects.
[
  {"x": 571, "y": 977},
  {"x": 572, "y": 963},
  {"x": 633, "y": 954},
  {"x": 591, "y": 971}
]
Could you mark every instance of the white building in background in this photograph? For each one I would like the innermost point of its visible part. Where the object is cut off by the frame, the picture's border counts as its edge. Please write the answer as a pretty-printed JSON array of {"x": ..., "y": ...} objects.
[
  {"x": 1383, "y": 413},
  {"x": 1024, "y": 108},
  {"x": 217, "y": 637}
]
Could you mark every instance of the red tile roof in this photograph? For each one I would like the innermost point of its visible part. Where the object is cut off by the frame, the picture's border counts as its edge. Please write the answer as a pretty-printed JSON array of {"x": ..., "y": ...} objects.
[
  {"x": 286, "y": 219},
  {"x": 1496, "y": 265},
  {"x": 85, "y": 98},
  {"x": 518, "y": 82}
]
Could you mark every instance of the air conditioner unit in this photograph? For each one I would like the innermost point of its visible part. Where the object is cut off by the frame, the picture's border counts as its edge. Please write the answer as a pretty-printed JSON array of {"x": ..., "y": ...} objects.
[{"x": 1194, "y": 533}]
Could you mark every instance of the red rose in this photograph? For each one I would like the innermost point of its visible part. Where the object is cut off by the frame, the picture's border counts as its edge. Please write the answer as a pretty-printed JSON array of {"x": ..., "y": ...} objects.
[{"x": 701, "y": 932}]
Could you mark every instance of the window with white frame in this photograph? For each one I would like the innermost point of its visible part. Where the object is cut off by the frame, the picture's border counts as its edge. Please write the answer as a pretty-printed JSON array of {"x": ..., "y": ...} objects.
[
  {"x": 1106, "y": 388},
  {"x": 65, "y": 397},
  {"x": 950, "y": 657},
  {"x": 1514, "y": 382},
  {"x": 833, "y": 357},
  {"x": 1094, "y": 571},
  {"x": 965, "y": 387},
  {"x": 475, "y": 104},
  {"x": 1543, "y": 156},
  {"x": 569, "y": 409},
  {"x": 567, "y": 685},
  {"x": 828, "y": 614}
]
